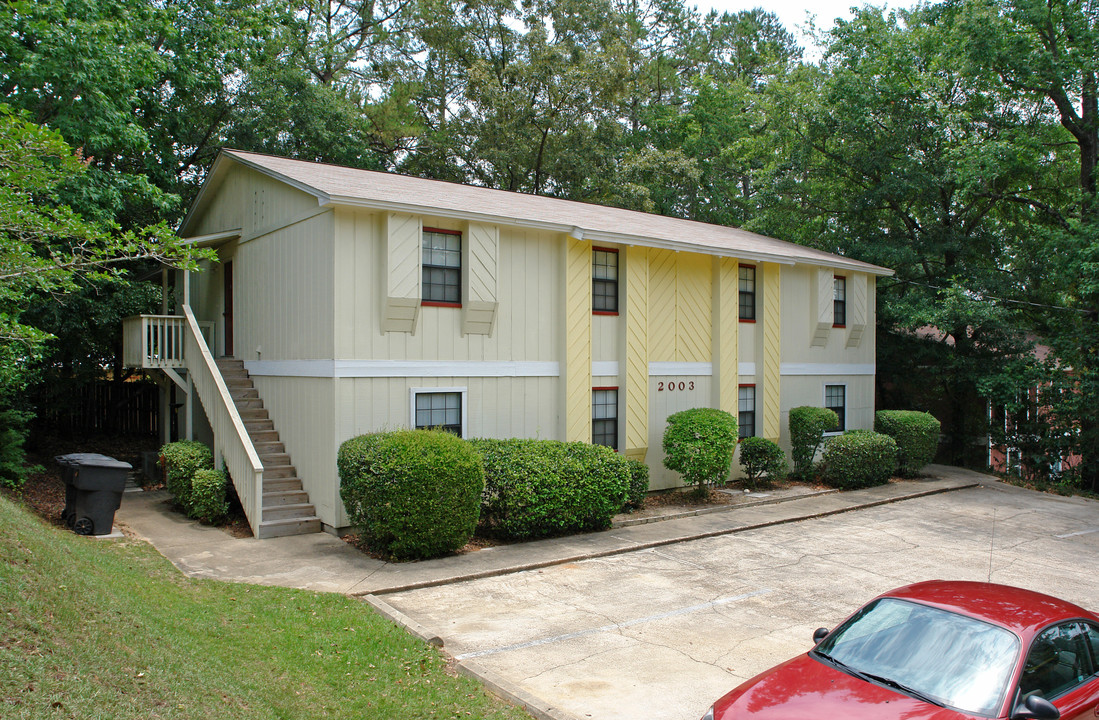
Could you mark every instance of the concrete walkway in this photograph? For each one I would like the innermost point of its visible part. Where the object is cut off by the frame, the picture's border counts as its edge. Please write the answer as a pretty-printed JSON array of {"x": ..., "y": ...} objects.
[{"x": 325, "y": 563}]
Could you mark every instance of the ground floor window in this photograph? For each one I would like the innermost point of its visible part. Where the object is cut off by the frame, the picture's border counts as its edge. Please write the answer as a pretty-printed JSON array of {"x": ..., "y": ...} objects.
[
  {"x": 835, "y": 399},
  {"x": 747, "y": 415},
  {"x": 439, "y": 408},
  {"x": 604, "y": 417}
]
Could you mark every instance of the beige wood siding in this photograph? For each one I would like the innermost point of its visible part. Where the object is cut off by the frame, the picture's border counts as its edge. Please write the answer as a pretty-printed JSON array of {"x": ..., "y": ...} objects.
[
  {"x": 636, "y": 373},
  {"x": 576, "y": 369}
]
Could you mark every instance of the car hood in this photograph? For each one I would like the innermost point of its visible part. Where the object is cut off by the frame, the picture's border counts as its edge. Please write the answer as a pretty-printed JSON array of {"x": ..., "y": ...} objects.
[{"x": 804, "y": 689}]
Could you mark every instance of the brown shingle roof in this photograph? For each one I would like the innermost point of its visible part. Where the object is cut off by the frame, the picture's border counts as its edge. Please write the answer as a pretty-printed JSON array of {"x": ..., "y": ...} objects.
[{"x": 341, "y": 185}]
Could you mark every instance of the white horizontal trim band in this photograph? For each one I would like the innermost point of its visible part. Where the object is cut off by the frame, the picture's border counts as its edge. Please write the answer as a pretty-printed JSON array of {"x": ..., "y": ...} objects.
[{"x": 516, "y": 368}]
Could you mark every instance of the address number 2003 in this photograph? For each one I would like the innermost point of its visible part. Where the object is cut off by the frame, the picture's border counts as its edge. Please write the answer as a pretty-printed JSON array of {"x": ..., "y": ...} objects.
[{"x": 663, "y": 386}]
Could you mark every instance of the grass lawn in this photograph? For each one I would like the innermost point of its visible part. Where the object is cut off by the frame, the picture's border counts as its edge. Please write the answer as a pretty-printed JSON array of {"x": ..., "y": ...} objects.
[{"x": 110, "y": 629}]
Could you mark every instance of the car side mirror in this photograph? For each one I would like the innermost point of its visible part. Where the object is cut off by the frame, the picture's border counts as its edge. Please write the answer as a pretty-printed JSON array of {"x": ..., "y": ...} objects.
[
  {"x": 820, "y": 633},
  {"x": 1037, "y": 708}
]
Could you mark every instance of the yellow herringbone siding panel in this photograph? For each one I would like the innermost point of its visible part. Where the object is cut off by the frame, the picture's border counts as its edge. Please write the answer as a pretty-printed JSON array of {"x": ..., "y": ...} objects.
[
  {"x": 772, "y": 349},
  {"x": 483, "y": 241},
  {"x": 403, "y": 250},
  {"x": 728, "y": 353},
  {"x": 637, "y": 348},
  {"x": 694, "y": 283},
  {"x": 577, "y": 340},
  {"x": 662, "y": 310}
]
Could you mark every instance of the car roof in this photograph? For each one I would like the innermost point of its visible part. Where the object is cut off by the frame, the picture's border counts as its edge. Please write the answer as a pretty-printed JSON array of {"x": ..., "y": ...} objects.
[{"x": 1024, "y": 612}]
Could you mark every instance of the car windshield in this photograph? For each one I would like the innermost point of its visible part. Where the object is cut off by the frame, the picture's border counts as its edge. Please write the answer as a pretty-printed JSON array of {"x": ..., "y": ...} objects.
[{"x": 944, "y": 657}]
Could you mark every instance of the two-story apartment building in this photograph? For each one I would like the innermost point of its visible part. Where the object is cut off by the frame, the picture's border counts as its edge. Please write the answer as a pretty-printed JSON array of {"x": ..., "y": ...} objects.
[{"x": 361, "y": 300}]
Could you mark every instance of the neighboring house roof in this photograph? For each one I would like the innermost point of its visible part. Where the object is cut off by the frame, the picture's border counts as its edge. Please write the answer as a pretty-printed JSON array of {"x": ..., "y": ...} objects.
[{"x": 336, "y": 185}]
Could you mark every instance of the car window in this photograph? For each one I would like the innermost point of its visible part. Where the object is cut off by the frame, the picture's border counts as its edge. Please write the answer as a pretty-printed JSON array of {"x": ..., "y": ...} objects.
[
  {"x": 1092, "y": 633},
  {"x": 1059, "y": 660}
]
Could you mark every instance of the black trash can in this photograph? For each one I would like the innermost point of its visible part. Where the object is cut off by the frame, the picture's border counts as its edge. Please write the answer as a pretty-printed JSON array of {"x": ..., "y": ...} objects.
[{"x": 94, "y": 485}]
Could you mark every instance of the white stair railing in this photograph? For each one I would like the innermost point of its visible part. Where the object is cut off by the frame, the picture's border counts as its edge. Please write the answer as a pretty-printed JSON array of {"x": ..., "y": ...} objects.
[{"x": 231, "y": 440}]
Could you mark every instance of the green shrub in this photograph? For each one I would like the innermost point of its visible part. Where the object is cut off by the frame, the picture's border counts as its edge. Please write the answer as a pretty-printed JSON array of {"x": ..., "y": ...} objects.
[
  {"x": 412, "y": 493},
  {"x": 539, "y": 488},
  {"x": 916, "y": 434},
  {"x": 763, "y": 461},
  {"x": 181, "y": 460},
  {"x": 699, "y": 445},
  {"x": 859, "y": 458},
  {"x": 639, "y": 484},
  {"x": 807, "y": 427},
  {"x": 209, "y": 503},
  {"x": 13, "y": 432}
]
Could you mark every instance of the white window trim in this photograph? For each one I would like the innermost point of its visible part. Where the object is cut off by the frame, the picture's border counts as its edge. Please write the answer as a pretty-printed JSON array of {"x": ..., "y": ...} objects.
[
  {"x": 413, "y": 392},
  {"x": 823, "y": 404}
]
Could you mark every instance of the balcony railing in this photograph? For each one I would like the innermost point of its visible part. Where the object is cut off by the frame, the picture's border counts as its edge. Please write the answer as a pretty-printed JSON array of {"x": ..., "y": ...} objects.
[{"x": 157, "y": 341}]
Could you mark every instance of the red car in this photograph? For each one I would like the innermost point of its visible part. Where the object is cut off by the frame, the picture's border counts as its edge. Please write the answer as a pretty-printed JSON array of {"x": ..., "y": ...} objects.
[{"x": 937, "y": 651}]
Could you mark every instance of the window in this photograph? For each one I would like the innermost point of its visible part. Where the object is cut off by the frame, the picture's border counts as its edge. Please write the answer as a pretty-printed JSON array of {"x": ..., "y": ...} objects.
[
  {"x": 441, "y": 410},
  {"x": 748, "y": 292},
  {"x": 442, "y": 267},
  {"x": 604, "y": 280},
  {"x": 839, "y": 302},
  {"x": 835, "y": 399},
  {"x": 604, "y": 417},
  {"x": 747, "y": 414},
  {"x": 1058, "y": 661}
]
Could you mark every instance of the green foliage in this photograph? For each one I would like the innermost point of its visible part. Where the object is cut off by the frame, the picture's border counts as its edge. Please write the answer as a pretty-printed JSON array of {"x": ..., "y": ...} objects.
[
  {"x": 208, "y": 496},
  {"x": 858, "y": 459},
  {"x": 763, "y": 462},
  {"x": 807, "y": 427},
  {"x": 916, "y": 434},
  {"x": 540, "y": 488},
  {"x": 699, "y": 445},
  {"x": 639, "y": 484},
  {"x": 13, "y": 469},
  {"x": 181, "y": 461},
  {"x": 413, "y": 494}
]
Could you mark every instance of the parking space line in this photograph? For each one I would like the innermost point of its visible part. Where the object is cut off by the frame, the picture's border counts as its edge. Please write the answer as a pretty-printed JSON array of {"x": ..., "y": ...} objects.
[{"x": 615, "y": 626}]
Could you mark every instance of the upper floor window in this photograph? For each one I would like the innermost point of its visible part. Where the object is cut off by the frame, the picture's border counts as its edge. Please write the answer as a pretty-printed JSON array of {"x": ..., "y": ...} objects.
[
  {"x": 442, "y": 410},
  {"x": 839, "y": 301},
  {"x": 604, "y": 280},
  {"x": 748, "y": 292},
  {"x": 604, "y": 417},
  {"x": 747, "y": 415},
  {"x": 835, "y": 399},
  {"x": 442, "y": 267}
]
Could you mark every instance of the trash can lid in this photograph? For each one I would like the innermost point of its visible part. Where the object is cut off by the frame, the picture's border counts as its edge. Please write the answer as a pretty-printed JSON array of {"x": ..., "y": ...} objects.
[{"x": 92, "y": 460}]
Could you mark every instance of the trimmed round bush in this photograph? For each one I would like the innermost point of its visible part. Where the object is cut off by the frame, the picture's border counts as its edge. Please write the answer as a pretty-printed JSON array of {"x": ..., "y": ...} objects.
[
  {"x": 807, "y": 427},
  {"x": 699, "y": 445},
  {"x": 763, "y": 462},
  {"x": 181, "y": 460},
  {"x": 208, "y": 496},
  {"x": 540, "y": 488},
  {"x": 413, "y": 494},
  {"x": 639, "y": 484},
  {"x": 858, "y": 459},
  {"x": 916, "y": 434}
]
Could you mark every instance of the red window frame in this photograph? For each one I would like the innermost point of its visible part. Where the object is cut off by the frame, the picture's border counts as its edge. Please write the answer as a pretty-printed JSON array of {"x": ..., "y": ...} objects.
[
  {"x": 844, "y": 323},
  {"x": 440, "y": 303},
  {"x": 617, "y": 285},
  {"x": 755, "y": 294}
]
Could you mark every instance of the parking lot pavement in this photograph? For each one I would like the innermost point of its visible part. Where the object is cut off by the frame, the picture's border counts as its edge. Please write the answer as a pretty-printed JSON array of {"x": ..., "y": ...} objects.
[{"x": 661, "y": 633}]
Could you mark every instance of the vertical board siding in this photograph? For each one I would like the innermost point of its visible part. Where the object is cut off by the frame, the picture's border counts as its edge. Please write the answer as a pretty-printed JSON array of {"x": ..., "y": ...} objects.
[
  {"x": 578, "y": 346},
  {"x": 772, "y": 350},
  {"x": 664, "y": 403},
  {"x": 605, "y": 338},
  {"x": 636, "y": 374},
  {"x": 726, "y": 312},
  {"x": 693, "y": 322},
  {"x": 662, "y": 297}
]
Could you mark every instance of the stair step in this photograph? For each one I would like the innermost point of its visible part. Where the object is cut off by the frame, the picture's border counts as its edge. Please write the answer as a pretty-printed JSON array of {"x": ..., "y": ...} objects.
[
  {"x": 251, "y": 425},
  {"x": 259, "y": 436},
  {"x": 289, "y": 512},
  {"x": 284, "y": 497},
  {"x": 244, "y": 393},
  {"x": 279, "y": 471},
  {"x": 247, "y": 403},
  {"x": 253, "y": 413},
  {"x": 282, "y": 528},
  {"x": 237, "y": 382},
  {"x": 269, "y": 448},
  {"x": 273, "y": 459},
  {"x": 283, "y": 484}
]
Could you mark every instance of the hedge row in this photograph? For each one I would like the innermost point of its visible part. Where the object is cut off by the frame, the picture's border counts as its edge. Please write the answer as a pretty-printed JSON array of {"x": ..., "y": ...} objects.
[
  {"x": 199, "y": 489},
  {"x": 858, "y": 459},
  {"x": 916, "y": 435}
]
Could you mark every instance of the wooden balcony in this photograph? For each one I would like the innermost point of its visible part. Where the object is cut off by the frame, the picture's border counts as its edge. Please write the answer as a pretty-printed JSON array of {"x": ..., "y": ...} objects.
[{"x": 157, "y": 341}]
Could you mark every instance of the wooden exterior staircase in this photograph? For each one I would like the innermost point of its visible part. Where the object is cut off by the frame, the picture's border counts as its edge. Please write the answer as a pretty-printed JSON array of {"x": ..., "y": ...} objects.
[{"x": 285, "y": 508}]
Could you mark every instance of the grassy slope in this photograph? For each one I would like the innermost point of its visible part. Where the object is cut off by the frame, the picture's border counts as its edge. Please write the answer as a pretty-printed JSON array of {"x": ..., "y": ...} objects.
[{"x": 109, "y": 629}]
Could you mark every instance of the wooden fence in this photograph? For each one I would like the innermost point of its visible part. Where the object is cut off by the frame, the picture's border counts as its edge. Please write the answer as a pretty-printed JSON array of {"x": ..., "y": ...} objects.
[{"x": 101, "y": 407}]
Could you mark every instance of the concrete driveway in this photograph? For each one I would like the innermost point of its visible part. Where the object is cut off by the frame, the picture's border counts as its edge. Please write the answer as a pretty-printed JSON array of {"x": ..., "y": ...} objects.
[{"x": 661, "y": 633}]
